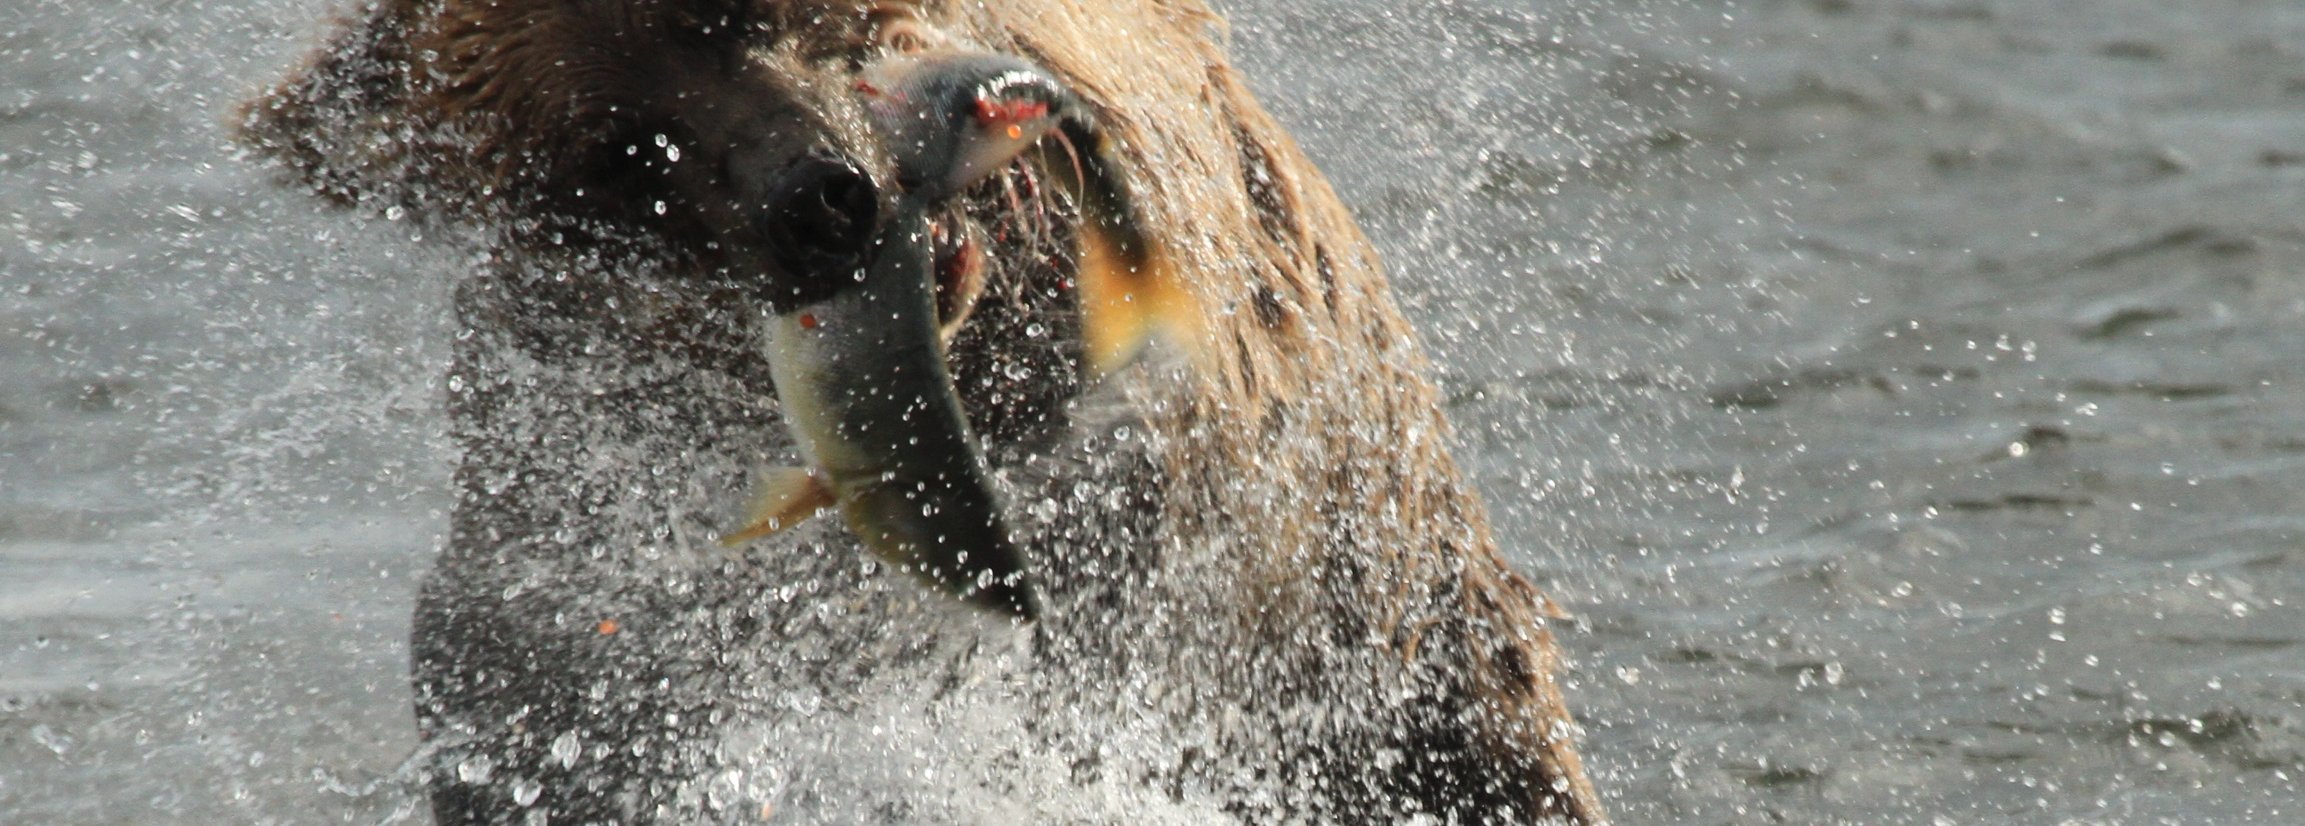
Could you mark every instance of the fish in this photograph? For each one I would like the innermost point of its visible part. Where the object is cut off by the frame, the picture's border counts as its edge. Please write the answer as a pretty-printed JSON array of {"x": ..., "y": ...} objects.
[
  {"x": 861, "y": 371},
  {"x": 867, "y": 397},
  {"x": 859, "y": 367}
]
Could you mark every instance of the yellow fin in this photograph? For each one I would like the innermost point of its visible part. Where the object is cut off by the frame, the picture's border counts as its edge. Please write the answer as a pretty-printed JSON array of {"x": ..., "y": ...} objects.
[
  {"x": 788, "y": 497},
  {"x": 1129, "y": 292},
  {"x": 1127, "y": 296}
]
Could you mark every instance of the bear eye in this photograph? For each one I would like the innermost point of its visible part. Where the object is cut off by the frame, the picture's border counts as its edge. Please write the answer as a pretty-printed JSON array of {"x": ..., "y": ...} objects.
[
  {"x": 905, "y": 41},
  {"x": 898, "y": 31}
]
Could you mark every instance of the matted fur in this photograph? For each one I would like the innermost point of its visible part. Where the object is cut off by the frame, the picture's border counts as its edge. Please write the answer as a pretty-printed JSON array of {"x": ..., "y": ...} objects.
[{"x": 1346, "y": 614}]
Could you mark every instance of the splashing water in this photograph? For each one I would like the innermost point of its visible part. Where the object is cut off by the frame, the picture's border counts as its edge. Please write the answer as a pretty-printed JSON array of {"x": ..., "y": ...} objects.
[{"x": 1897, "y": 393}]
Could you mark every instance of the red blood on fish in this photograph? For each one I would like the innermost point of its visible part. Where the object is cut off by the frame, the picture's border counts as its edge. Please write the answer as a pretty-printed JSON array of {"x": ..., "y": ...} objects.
[
  {"x": 987, "y": 111},
  {"x": 952, "y": 269},
  {"x": 991, "y": 111}
]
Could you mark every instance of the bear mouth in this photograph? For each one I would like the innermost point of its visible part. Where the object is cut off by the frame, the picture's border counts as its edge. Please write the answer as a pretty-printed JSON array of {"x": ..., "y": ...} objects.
[
  {"x": 966, "y": 131},
  {"x": 957, "y": 254}
]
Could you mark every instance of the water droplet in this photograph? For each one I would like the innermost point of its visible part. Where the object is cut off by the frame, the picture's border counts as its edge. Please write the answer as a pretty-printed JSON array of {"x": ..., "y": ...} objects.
[
  {"x": 525, "y": 791},
  {"x": 566, "y": 748},
  {"x": 51, "y": 739}
]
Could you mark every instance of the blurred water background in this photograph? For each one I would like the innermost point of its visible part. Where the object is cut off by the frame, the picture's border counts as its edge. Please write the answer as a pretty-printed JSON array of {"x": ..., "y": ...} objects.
[{"x": 1904, "y": 395}]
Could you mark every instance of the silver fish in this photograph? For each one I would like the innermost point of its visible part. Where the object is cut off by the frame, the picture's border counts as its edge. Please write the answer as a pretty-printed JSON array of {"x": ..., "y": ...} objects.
[{"x": 860, "y": 367}]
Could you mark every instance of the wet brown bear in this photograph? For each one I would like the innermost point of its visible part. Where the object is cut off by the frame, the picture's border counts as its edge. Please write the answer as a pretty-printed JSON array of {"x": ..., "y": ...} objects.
[{"x": 1254, "y": 574}]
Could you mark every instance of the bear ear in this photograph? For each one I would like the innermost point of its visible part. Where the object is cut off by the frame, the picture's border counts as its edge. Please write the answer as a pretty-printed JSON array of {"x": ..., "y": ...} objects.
[
  {"x": 455, "y": 105},
  {"x": 327, "y": 121}
]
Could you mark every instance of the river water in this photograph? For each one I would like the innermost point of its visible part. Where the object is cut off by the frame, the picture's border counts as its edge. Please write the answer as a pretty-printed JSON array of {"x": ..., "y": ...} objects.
[{"x": 1902, "y": 394}]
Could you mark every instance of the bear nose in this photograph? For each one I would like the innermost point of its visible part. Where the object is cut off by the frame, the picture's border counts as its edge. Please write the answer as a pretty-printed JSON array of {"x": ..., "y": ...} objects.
[{"x": 821, "y": 213}]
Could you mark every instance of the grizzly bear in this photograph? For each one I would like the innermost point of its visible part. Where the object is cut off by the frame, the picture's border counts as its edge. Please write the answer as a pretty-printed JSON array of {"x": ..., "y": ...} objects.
[{"x": 1131, "y": 451}]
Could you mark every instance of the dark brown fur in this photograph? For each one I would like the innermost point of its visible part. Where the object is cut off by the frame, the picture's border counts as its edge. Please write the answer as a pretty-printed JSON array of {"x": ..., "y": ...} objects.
[{"x": 1287, "y": 548}]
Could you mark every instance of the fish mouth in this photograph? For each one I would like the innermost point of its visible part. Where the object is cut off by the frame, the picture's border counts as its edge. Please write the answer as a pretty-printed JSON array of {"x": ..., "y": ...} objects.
[{"x": 875, "y": 281}]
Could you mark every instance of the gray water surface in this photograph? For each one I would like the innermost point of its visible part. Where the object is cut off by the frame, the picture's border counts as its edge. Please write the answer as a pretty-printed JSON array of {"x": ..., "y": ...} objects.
[{"x": 1904, "y": 395}]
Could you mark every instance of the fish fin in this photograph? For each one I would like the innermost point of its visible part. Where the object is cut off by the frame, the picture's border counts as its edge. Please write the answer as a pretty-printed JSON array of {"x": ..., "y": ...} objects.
[
  {"x": 788, "y": 497},
  {"x": 1129, "y": 291},
  {"x": 1129, "y": 295}
]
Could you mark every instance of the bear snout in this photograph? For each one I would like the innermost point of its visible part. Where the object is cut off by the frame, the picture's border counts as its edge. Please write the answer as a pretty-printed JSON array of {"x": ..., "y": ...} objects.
[{"x": 818, "y": 220}]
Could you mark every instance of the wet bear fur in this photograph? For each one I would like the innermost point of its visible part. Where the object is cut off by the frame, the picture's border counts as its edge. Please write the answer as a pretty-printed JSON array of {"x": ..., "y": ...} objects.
[{"x": 1258, "y": 543}]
